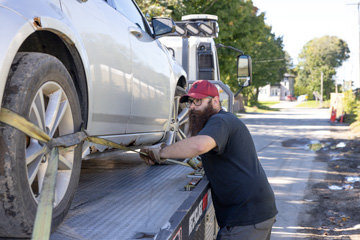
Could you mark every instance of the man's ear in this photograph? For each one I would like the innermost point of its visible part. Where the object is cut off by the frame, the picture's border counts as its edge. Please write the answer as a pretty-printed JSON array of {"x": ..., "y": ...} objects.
[{"x": 216, "y": 101}]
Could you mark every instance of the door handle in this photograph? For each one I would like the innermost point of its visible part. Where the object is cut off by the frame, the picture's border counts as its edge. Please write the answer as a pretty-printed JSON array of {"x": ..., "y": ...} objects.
[{"x": 136, "y": 32}]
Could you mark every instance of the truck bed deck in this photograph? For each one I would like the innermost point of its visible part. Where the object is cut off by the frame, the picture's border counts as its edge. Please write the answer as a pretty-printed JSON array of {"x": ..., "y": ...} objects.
[{"x": 124, "y": 200}]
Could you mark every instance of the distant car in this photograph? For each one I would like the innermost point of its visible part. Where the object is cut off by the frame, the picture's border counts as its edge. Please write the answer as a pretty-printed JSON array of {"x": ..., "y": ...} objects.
[
  {"x": 302, "y": 98},
  {"x": 290, "y": 98}
]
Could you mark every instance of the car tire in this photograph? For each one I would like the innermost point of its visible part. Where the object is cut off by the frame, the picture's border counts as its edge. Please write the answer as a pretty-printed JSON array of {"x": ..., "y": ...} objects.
[
  {"x": 179, "y": 121},
  {"x": 40, "y": 89}
]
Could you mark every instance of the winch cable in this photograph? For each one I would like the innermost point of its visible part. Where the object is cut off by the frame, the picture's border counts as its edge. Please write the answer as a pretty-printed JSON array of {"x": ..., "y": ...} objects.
[{"x": 42, "y": 225}]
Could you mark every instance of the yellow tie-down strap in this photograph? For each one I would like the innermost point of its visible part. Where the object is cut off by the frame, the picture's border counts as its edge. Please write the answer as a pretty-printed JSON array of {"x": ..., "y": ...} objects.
[
  {"x": 42, "y": 225},
  {"x": 15, "y": 120}
]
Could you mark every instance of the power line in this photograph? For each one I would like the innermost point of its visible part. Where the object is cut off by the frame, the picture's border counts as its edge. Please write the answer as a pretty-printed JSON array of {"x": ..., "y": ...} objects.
[{"x": 269, "y": 60}]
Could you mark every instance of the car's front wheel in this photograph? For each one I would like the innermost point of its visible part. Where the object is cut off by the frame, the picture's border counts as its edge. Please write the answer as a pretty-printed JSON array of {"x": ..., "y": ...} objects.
[
  {"x": 179, "y": 120},
  {"x": 39, "y": 88}
]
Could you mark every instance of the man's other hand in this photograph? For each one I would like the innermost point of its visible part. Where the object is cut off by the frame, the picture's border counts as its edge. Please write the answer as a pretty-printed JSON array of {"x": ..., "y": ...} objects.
[{"x": 153, "y": 153}]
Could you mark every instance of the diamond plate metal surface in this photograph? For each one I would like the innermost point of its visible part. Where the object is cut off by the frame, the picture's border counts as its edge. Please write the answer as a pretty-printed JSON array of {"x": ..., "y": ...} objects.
[{"x": 128, "y": 202}]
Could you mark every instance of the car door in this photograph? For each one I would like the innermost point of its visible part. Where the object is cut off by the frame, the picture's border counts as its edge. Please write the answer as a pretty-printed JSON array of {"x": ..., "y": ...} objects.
[
  {"x": 105, "y": 37},
  {"x": 152, "y": 98}
]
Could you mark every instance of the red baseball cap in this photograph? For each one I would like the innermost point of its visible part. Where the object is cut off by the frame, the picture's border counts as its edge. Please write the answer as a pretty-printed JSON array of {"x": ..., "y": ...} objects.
[{"x": 201, "y": 89}]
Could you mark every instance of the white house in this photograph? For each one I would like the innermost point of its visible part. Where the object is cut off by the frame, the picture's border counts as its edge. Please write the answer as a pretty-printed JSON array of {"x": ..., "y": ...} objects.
[{"x": 278, "y": 91}]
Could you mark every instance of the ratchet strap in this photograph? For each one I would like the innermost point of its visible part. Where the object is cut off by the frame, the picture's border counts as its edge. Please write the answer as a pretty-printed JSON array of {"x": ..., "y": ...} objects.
[
  {"x": 15, "y": 120},
  {"x": 42, "y": 225}
]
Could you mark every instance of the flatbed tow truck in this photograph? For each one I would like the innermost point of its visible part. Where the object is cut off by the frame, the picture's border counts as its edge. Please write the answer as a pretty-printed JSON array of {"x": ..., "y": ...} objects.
[
  {"x": 126, "y": 199},
  {"x": 160, "y": 206}
]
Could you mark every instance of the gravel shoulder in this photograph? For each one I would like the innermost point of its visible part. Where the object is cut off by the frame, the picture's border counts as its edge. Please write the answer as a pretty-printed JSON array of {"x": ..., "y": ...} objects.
[{"x": 333, "y": 211}]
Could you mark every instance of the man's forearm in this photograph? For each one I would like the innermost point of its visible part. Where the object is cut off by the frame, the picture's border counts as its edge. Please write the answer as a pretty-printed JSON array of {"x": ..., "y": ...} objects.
[{"x": 189, "y": 147}]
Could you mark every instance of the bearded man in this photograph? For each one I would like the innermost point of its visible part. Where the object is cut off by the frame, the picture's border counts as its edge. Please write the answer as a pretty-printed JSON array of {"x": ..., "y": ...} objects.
[{"x": 243, "y": 198}]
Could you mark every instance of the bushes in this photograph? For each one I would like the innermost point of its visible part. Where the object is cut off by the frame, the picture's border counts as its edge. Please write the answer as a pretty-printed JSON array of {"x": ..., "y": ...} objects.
[
  {"x": 355, "y": 126},
  {"x": 351, "y": 107},
  {"x": 349, "y": 102}
]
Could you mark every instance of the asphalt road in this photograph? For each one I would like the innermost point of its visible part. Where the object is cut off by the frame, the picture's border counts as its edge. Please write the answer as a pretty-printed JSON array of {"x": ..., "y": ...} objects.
[{"x": 289, "y": 169}]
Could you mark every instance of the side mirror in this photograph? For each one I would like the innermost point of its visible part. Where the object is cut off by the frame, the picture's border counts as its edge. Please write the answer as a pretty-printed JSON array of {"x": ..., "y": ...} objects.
[
  {"x": 244, "y": 70},
  {"x": 162, "y": 26}
]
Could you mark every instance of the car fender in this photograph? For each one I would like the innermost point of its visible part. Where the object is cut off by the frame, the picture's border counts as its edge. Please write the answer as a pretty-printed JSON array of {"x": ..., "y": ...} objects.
[
  {"x": 68, "y": 33},
  {"x": 21, "y": 24},
  {"x": 13, "y": 33},
  {"x": 177, "y": 73},
  {"x": 177, "y": 68}
]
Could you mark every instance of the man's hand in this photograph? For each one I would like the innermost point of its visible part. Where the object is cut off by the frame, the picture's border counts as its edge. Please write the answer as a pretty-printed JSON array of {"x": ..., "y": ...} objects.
[{"x": 153, "y": 153}]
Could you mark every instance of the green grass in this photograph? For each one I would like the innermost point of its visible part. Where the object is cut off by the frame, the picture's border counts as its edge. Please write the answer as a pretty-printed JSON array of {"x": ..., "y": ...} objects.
[
  {"x": 314, "y": 104},
  {"x": 267, "y": 105},
  {"x": 264, "y": 107},
  {"x": 261, "y": 107}
]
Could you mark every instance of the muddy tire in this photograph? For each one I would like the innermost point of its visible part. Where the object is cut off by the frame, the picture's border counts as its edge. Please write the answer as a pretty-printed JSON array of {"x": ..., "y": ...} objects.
[
  {"x": 40, "y": 89},
  {"x": 179, "y": 121}
]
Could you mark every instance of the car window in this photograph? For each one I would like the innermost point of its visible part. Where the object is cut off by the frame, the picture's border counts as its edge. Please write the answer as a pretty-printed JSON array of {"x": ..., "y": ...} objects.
[{"x": 129, "y": 10}]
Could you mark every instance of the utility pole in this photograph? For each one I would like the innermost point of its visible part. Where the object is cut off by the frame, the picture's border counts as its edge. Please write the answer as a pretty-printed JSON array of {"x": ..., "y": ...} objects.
[
  {"x": 358, "y": 5},
  {"x": 336, "y": 86}
]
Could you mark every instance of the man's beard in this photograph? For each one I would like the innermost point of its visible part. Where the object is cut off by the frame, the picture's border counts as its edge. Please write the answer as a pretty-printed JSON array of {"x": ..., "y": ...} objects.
[{"x": 198, "y": 118}]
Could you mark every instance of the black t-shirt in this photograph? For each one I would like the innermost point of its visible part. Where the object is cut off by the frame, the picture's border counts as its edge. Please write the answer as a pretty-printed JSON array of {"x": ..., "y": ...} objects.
[{"x": 241, "y": 192}]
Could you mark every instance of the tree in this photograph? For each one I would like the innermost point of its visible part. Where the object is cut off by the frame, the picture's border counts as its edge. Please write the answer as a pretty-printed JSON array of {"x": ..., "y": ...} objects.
[
  {"x": 242, "y": 27},
  {"x": 269, "y": 63},
  {"x": 289, "y": 63},
  {"x": 323, "y": 54},
  {"x": 156, "y": 8}
]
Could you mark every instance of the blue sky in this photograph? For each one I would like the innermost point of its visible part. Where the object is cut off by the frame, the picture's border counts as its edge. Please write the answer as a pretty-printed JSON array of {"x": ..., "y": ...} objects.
[{"x": 301, "y": 21}]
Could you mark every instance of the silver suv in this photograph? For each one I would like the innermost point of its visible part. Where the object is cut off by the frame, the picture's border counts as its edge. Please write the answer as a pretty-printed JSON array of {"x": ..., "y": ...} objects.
[{"x": 67, "y": 64}]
